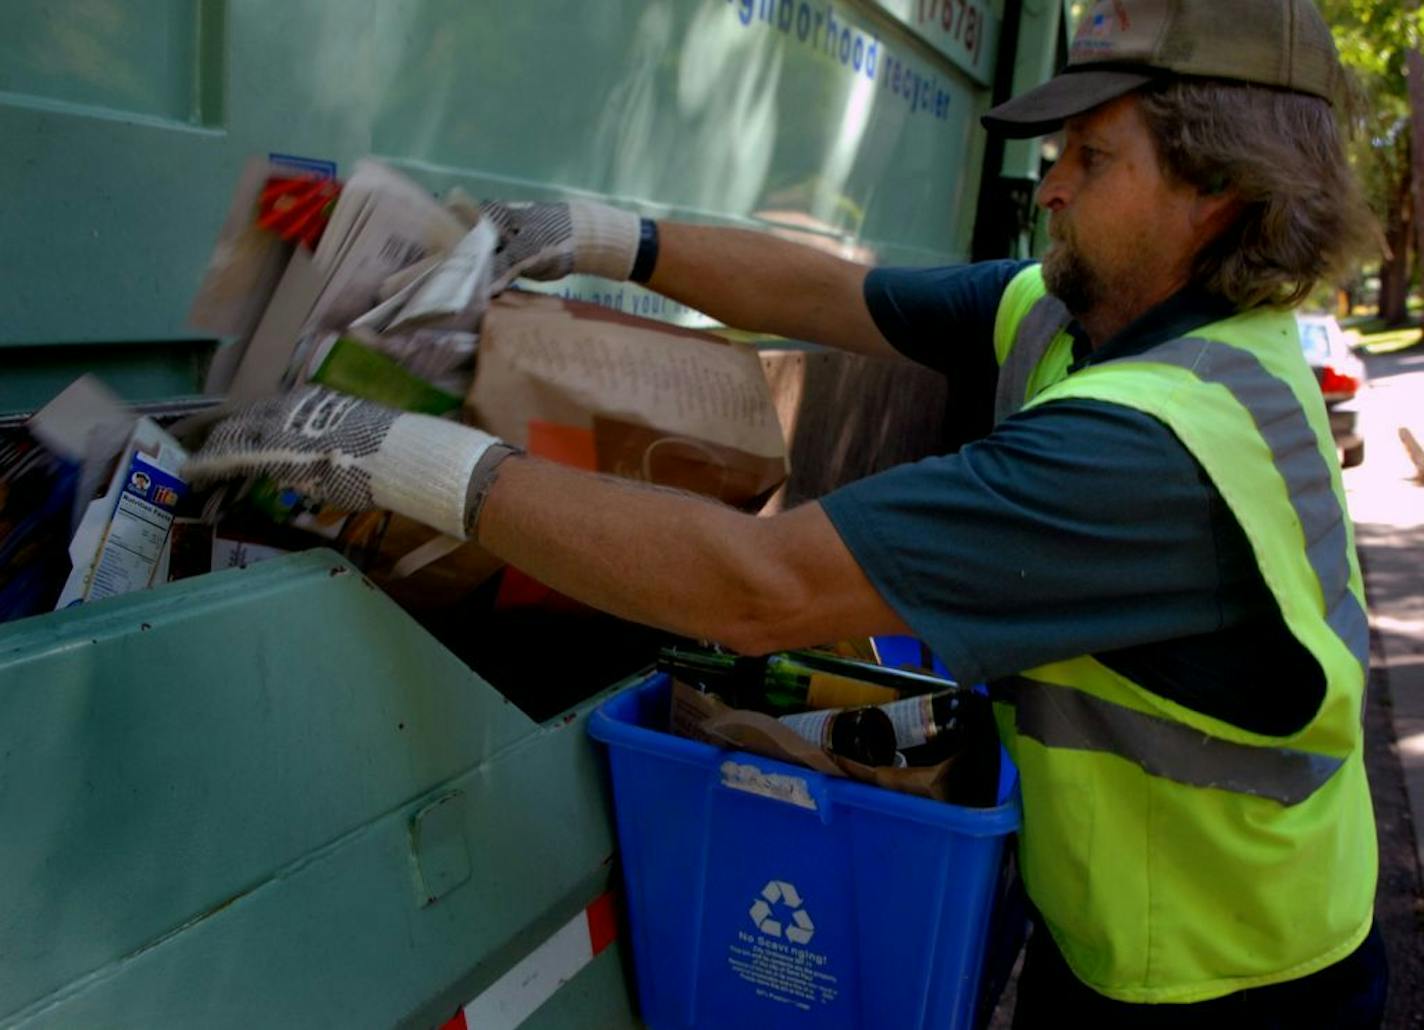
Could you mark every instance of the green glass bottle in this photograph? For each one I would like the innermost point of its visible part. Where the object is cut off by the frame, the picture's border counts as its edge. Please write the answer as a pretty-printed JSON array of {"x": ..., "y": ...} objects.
[
  {"x": 907, "y": 682},
  {"x": 778, "y": 684}
]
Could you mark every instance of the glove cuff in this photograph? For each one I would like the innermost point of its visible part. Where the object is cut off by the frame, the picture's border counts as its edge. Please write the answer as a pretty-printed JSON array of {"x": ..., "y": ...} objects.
[
  {"x": 423, "y": 470},
  {"x": 605, "y": 239}
]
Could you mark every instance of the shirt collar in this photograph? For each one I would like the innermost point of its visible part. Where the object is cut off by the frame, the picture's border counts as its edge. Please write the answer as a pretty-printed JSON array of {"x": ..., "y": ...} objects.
[{"x": 1189, "y": 308}]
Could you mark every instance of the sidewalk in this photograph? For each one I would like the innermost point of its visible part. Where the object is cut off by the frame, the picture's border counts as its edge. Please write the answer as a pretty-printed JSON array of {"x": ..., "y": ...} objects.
[{"x": 1387, "y": 504}]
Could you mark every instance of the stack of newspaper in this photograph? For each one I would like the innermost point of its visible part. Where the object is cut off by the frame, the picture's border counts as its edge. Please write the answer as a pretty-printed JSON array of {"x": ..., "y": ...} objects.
[
  {"x": 386, "y": 305},
  {"x": 395, "y": 270},
  {"x": 387, "y": 300}
]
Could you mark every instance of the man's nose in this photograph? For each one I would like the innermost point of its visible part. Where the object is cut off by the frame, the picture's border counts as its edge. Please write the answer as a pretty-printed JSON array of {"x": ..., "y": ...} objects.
[{"x": 1052, "y": 192}]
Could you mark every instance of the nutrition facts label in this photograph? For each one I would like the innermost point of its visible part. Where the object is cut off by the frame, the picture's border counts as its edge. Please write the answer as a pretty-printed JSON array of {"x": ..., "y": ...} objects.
[{"x": 137, "y": 531}]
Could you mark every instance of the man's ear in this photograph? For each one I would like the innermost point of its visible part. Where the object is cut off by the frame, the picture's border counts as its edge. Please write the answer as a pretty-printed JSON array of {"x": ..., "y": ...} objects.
[{"x": 1214, "y": 209}]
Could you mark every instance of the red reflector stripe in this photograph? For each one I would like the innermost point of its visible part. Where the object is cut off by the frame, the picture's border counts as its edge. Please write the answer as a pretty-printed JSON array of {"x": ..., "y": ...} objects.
[
  {"x": 537, "y": 977},
  {"x": 602, "y": 923}
]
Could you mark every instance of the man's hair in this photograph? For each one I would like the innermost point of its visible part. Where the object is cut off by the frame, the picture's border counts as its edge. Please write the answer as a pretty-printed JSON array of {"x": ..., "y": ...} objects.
[{"x": 1304, "y": 218}]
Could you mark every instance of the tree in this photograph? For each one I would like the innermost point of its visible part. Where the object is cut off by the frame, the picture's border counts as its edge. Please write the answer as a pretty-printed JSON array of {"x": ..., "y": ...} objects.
[{"x": 1379, "y": 41}]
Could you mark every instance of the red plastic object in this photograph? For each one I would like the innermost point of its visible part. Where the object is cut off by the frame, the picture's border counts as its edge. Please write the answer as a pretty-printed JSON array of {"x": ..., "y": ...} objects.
[
  {"x": 297, "y": 208},
  {"x": 1334, "y": 383}
]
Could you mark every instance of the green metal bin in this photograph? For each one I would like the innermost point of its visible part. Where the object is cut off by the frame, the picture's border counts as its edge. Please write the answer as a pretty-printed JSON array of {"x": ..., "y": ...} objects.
[{"x": 268, "y": 797}]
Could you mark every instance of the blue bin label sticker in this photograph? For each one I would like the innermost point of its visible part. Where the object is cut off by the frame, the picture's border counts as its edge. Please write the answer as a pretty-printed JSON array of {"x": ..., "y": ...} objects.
[
  {"x": 794, "y": 790},
  {"x": 775, "y": 957},
  {"x": 317, "y": 166}
]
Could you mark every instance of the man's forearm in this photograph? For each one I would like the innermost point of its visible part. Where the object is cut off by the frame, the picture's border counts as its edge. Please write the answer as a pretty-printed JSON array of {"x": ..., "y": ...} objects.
[
  {"x": 650, "y": 554},
  {"x": 680, "y": 562},
  {"x": 755, "y": 281}
]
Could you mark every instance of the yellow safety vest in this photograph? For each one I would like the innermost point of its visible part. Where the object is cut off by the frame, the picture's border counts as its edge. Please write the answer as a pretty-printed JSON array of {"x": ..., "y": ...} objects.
[{"x": 1175, "y": 857}]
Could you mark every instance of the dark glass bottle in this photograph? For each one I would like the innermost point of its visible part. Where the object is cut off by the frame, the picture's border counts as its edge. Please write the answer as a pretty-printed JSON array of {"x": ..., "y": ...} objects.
[
  {"x": 929, "y": 717},
  {"x": 966, "y": 736},
  {"x": 864, "y": 735}
]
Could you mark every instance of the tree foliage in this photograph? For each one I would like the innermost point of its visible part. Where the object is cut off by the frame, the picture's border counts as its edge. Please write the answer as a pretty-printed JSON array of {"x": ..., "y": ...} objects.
[{"x": 1375, "y": 38}]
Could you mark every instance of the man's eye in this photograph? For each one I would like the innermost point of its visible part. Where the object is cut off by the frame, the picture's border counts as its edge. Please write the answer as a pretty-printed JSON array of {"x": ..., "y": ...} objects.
[{"x": 1089, "y": 156}]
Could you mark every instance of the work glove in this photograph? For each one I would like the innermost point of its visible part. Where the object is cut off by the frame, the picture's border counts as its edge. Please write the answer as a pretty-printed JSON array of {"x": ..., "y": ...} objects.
[
  {"x": 550, "y": 241},
  {"x": 354, "y": 455}
]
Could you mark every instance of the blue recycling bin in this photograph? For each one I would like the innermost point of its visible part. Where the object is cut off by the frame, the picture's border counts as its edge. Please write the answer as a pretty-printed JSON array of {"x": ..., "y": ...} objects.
[{"x": 763, "y": 894}]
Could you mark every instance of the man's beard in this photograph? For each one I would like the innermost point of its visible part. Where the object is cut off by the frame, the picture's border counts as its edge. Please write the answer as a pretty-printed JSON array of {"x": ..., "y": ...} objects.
[{"x": 1071, "y": 279}]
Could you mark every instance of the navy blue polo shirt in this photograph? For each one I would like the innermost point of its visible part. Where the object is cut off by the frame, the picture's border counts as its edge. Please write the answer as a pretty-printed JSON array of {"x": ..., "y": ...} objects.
[{"x": 1075, "y": 527}]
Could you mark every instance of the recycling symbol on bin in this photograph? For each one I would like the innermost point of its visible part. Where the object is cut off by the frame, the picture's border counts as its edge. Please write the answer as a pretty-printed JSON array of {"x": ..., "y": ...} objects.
[{"x": 770, "y": 911}]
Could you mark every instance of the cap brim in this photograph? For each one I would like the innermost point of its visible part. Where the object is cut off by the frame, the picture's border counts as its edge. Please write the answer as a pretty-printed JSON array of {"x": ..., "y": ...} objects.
[{"x": 1045, "y": 108}]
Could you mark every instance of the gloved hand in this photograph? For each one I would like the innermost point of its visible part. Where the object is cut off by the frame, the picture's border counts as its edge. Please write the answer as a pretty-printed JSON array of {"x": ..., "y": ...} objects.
[
  {"x": 353, "y": 455},
  {"x": 549, "y": 241}
]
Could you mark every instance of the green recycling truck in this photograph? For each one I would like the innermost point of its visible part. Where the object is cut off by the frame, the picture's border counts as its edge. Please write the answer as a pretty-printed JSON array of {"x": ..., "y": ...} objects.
[{"x": 268, "y": 796}]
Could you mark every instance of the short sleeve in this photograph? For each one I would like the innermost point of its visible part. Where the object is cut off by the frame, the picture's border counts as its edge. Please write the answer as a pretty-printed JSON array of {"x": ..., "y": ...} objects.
[
  {"x": 1076, "y": 527},
  {"x": 943, "y": 318}
]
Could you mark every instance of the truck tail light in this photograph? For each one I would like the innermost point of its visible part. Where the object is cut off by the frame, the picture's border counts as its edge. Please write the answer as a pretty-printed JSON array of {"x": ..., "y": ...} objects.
[{"x": 1336, "y": 382}]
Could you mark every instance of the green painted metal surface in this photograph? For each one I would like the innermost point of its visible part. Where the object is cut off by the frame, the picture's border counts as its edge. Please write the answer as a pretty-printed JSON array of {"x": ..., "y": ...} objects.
[
  {"x": 140, "y": 372},
  {"x": 126, "y": 123},
  {"x": 157, "y": 58},
  {"x": 209, "y": 794},
  {"x": 1040, "y": 30}
]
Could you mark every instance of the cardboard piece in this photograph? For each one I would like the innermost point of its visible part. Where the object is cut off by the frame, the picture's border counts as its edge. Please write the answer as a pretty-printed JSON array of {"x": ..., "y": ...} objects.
[
  {"x": 630, "y": 397},
  {"x": 122, "y": 540},
  {"x": 86, "y": 425},
  {"x": 245, "y": 264}
]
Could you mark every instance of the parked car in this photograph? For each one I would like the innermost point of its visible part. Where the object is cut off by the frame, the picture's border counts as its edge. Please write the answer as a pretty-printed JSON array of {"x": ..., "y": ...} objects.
[{"x": 1341, "y": 375}]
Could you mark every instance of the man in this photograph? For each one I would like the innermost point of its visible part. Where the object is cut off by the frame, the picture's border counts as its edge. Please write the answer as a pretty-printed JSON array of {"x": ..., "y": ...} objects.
[{"x": 1147, "y": 554}]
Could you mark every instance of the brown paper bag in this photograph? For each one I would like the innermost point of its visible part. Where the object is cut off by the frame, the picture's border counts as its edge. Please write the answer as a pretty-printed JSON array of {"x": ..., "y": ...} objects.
[
  {"x": 604, "y": 391},
  {"x": 706, "y": 718}
]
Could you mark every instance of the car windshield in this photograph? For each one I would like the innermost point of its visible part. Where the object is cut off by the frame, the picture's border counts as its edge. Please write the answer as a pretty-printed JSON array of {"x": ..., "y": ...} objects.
[{"x": 1315, "y": 340}]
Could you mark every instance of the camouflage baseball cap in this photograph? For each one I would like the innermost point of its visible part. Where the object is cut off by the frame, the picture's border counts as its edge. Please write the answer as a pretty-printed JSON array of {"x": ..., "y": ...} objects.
[{"x": 1121, "y": 45}]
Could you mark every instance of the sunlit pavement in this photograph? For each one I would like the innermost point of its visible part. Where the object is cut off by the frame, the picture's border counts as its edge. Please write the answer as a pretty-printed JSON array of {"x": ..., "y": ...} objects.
[{"x": 1386, "y": 498}]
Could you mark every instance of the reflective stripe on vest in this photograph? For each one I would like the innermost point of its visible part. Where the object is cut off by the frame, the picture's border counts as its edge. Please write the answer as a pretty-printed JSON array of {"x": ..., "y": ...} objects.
[
  {"x": 1174, "y": 856},
  {"x": 1072, "y": 719},
  {"x": 1044, "y": 321},
  {"x": 1296, "y": 454}
]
